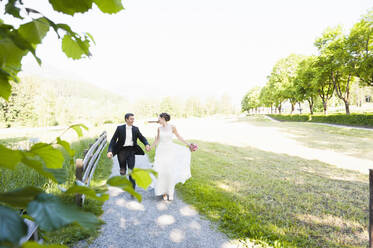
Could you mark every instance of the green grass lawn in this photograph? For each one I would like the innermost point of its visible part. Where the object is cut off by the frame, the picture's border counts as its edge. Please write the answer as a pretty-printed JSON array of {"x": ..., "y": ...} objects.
[
  {"x": 353, "y": 142},
  {"x": 277, "y": 199}
]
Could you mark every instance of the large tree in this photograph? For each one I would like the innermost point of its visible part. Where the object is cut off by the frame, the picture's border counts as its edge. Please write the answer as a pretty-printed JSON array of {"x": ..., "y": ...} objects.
[
  {"x": 266, "y": 97},
  {"x": 359, "y": 47},
  {"x": 323, "y": 81},
  {"x": 334, "y": 62},
  {"x": 305, "y": 85},
  {"x": 281, "y": 80},
  {"x": 251, "y": 100}
]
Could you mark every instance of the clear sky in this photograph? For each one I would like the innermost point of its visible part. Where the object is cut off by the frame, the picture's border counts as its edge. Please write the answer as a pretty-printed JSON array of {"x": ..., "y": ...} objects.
[{"x": 194, "y": 47}]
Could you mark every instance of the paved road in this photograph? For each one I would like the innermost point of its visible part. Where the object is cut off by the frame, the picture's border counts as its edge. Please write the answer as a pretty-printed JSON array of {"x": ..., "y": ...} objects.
[{"x": 153, "y": 223}]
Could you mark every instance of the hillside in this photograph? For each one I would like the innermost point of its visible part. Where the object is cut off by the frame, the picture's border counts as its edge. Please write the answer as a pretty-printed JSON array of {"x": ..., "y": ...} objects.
[{"x": 38, "y": 101}]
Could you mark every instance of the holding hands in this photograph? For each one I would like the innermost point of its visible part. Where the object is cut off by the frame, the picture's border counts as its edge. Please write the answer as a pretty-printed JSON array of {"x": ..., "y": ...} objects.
[
  {"x": 110, "y": 154},
  {"x": 148, "y": 148},
  {"x": 193, "y": 147}
]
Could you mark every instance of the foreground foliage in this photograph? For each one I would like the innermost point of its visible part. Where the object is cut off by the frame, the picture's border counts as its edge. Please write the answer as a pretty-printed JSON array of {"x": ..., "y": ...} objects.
[
  {"x": 46, "y": 209},
  {"x": 16, "y": 43}
]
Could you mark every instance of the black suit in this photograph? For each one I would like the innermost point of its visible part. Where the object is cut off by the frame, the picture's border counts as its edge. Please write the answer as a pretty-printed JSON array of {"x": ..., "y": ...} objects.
[{"x": 126, "y": 155}]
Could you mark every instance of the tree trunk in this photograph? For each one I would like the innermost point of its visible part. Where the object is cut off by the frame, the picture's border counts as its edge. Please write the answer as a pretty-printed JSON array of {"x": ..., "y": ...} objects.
[
  {"x": 292, "y": 108},
  {"x": 346, "y": 96},
  {"x": 325, "y": 105},
  {"x": 300, "y": 108},
  {"x": 311, "y": 107},
  {"x": 310, "y": 104},
  {"x": 279, "y": 109},
  {"x": 347, "y": 106}
]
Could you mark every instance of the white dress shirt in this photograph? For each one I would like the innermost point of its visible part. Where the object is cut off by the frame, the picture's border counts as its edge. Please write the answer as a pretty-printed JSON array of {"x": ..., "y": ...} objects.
[{"x": 128, "y": 141}]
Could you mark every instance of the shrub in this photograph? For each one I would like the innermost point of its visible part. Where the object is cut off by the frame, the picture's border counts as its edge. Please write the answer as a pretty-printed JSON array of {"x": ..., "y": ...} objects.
[
  {"x": 363, "y": 120},
  {"x": 360, "y": 120},
  {"x": 298, "y": 118}
]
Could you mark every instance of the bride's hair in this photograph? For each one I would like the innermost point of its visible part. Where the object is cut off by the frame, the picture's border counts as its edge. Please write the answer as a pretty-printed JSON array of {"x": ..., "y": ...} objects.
[{"x": 166, "y": 116}]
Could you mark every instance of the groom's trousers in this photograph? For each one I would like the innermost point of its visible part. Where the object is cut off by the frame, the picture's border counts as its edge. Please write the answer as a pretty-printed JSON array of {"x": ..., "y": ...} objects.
[{"x": 126, "y": 158}]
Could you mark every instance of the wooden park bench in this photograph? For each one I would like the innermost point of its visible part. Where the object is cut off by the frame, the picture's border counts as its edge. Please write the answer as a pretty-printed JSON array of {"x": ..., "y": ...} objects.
[
  {"x": 85, "y": 168},
  {"x": 32, "y": 232}
]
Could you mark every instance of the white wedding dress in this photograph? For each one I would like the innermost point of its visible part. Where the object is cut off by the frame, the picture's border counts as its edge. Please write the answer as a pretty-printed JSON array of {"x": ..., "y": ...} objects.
[{"x": 171, "y": 161}]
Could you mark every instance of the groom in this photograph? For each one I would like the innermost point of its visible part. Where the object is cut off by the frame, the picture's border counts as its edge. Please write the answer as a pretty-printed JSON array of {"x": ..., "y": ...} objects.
[{"x": 124, "y": 144}]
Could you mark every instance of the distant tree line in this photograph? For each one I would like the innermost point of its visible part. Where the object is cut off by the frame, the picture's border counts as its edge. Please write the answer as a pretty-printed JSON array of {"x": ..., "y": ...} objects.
[
  {"x": 40, "y": 102},
  {"x": 182, "y": 108},
  {"x": 343, "y": 60}
]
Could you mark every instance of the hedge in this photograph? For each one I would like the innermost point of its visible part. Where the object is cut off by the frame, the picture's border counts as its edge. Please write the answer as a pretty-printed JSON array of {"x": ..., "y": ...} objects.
[
  {"x": 359, "y": 120},
  {"x": 298, "y": 118}
]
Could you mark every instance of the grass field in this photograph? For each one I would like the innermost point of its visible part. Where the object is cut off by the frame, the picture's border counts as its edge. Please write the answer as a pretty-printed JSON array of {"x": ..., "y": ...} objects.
[
  {"x": 349, "y": 141},
  {"x": 278, "y": 199}
]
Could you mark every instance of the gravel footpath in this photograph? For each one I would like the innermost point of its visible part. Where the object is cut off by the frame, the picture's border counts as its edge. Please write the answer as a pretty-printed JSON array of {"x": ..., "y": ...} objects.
[{"x": 153, "y": 223}]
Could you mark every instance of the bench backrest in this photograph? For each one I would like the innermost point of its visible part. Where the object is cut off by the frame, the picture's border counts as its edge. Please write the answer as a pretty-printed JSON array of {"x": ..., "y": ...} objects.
[{"x": 85, "y": 168}]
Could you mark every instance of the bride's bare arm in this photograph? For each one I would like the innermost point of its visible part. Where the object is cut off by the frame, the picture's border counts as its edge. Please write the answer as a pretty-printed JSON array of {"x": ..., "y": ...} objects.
[
  {"x": 178, "y": 136},
  {"x": 156, "y": 141}
]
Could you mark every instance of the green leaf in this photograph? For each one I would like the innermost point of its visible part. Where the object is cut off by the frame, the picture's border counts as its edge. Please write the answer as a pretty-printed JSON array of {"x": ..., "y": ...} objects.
[
  {"x": 89, "y": 192},
  {"x": 51, "y": 156},
  {"x": 60, "y": 175},
  {"x": 34, "y": 31},
  {"x": 66, "y": 146},
  {"x": 109, "y": 6},
  {"x": 123, "y": 183},
  {"x": 23, "y": 44},
  {"x": 57, "y": 175},
  {"x": 78, "y": 129},
  {"x": 12, "y": 226},
  {"x": 11, "y": 74},
  {"x": 11, "y": 9},
  {"x": 150, "y": 171},
  {"x": 141, "y": 177},
  {"x": 67, "y": 28},
  {"x": 10, "y": 53},
  {"x": 71, "y": 7},
  {"x": 33, "y": 244},
  {"x": 50, "y": 213},
  {"x": 20, "y": 197},
  {"x": 118, "y": 181},
  {"x": 5, "y": 88},
  {"x": 130, "y": 190},
  {"x": 9, "y": 158},
  {"x": 12, "y": 49},
  {"x": 91, "y": 37},
  {"x": 74, "y": 47}
]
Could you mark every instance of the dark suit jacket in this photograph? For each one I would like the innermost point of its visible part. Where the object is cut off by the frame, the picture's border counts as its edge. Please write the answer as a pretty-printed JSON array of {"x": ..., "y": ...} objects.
[{"x": 119, "y": 137}]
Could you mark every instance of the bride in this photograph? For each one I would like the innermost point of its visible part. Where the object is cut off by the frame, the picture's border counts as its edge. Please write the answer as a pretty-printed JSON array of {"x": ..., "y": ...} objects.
[{"x": 171, "y": 161}]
